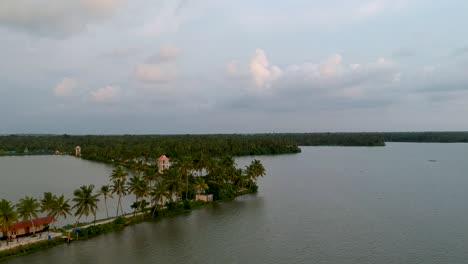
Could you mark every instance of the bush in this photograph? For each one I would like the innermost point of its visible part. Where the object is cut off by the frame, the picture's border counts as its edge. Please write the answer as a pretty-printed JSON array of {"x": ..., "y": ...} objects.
[
  {"x": 187, "y": 205},
  {"x": 119, "y": 221}
]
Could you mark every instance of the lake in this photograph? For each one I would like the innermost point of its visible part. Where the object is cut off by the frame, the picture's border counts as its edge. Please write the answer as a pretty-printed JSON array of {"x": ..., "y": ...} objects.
[{"x": 403, "y": 203}]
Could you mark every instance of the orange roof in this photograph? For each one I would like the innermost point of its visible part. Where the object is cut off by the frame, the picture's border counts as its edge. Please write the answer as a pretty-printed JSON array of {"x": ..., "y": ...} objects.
[
  {"x": 163, "y": 157},
  {"x": 37, "y": 221}
]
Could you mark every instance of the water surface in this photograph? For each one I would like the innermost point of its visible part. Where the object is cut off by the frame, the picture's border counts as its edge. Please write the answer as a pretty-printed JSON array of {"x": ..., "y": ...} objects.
[{"x": 324, "y": 205}]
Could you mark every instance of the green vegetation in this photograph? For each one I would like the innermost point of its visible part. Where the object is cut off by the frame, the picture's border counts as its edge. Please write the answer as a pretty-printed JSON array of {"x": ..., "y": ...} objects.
[
  {"x": 28, "y": 209},
  {"x": 127, "y": 148}
]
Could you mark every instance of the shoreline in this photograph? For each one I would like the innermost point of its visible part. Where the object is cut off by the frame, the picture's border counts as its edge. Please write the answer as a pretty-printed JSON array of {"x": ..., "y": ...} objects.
[{"x": 104, "y": 226}]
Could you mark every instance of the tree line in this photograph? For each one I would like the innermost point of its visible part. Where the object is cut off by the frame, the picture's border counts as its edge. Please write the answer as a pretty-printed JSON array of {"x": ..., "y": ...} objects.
[
  {"x": 125, "y": 147},
  {"x": 118, "y": 148},
  {"x": 154, "y": 191}
]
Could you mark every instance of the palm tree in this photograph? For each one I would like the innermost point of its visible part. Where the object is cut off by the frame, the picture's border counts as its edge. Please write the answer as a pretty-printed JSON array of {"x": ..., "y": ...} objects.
[
  {"x": 118, "y": 187},
  {"x": 118, "y": 178},
  {"x": 139, "y": 188},
  {"x": 60, "y": 208},
  {"x": 256, "y": 167},
  {"x": 8, "y": 216},
  {"x": 47, "y": 202},
  {"x": 151, "y": 175},
  {"x": 185, "y": 166},
  {"x": 255, "y": 170},
  {"x": 105, "y": 191},
  {"x": 200, "y": 186},
  {"x": 118, "y": 173},
  {"x": 28, "y": 209},
  {"x": 85, "y": 202},
  {"x": 173, "y": 181},
  {"x": 200, "y": 163},
  {"x": 159, "y": 194}
]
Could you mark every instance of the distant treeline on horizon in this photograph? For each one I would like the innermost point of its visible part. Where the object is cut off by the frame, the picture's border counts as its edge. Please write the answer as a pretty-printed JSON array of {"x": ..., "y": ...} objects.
[{"x": 112, "y": 148}]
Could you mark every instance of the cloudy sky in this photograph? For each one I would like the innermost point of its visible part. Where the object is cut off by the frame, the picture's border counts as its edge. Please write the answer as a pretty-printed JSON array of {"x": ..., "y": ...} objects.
[{"x": 218, "y": 66}]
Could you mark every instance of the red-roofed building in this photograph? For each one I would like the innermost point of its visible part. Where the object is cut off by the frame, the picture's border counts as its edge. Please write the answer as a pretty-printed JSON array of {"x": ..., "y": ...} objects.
[
  {"x": 26, "y": 227},
  {"x": 163, "y": 163}
]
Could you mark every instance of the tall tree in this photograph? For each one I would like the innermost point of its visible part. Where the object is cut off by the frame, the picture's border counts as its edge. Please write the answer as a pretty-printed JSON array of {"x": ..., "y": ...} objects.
[
  {"x": 106, "y": 192},
  {"x": 29, "y": 208},
  {"x": 60, "y": 208},
  {"x": 118, "y": 178},
  {"x": 255, "y": 170},
  {"x": 139, "y": 188},
  {"x": 8, "y": 215},
  {"x": 85, "y": 202},
  {"x": 47, "y": 202},
  {"x": 118, "y": 187},
  {"x": 151, "y": 175},
  {"x": 159, "y": 194},
  {"x": 173, "y": 181},
  {"x": 185, "y": 166},
  {"x": 200, "y": 185}
]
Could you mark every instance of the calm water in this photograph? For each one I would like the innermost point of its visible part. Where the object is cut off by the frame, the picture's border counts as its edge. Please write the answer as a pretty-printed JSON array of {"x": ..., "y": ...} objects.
[{"x": 325, "y": 205}]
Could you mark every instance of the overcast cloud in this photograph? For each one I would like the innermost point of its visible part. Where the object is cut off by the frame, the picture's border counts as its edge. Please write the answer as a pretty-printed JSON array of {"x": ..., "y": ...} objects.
[{"x": 209, "y": 66}]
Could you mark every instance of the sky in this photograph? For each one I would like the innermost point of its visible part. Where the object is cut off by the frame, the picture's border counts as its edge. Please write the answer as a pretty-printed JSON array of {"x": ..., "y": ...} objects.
[{"x": 219, "y": 66}]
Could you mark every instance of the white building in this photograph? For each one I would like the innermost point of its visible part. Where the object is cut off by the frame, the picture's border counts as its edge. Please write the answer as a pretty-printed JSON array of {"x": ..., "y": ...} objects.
[
  {"x": 78, "y": 151},
  {"x": 163, "y": 163}
]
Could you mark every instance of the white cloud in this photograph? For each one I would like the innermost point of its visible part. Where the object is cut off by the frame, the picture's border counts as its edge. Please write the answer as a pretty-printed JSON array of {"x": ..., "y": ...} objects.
[
  {"x": 168, "y": 52},
  {"x": 329, "y": 82},
  {"x": 55, "y": 17},
  {"x": 331, "y": 66},
  {"x": 167, "y": 18},
  {"x": 232, "y": 69},
  {"x": 371, "y": 8},
  {"x": 262, "y": 72},
  {"x": 107, "y": 94},
  {"x": 155, "y": 72},
  {"x": 65, "y": 87},
  {"x": 159, "y": 68},
  {"x": 121, "y": 53}
]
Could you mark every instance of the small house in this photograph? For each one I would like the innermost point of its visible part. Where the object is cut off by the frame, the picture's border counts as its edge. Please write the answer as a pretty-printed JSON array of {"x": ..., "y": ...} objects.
[
  {"x": 26, "y": 227},
  {"x": 204, "y": 197}
]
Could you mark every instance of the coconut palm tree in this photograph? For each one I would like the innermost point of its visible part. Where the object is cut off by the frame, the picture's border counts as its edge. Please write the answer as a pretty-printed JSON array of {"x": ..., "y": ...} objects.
[
  {"x": 118, "y": 187},
  {"x": 118, "y": 178},
  {"x": 47, "y": 202},
  {"x": 85, "y": 202},
  {"x": 173, "y": 181},
  {"x": 29, "y": 208},
  {"x": 200, "y": 163},
  {"x": 256, "y": 169},
  {"x": 159, "y": 194},
  {"x": 139, "y": 188},
  {"x": 8, "y": 216},
  {"x": 105, "y": 191},
  {"x": 185, "y": 166},
  {"x": 200, "y": 186},
  {"x": 60, "y": 208},
  {"x": 151, "y": 175}
]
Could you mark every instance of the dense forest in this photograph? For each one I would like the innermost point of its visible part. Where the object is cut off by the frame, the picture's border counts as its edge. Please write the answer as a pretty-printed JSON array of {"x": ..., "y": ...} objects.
[
  {"x": 125, "y": 147},
  {"x": 112, "y": 148}
]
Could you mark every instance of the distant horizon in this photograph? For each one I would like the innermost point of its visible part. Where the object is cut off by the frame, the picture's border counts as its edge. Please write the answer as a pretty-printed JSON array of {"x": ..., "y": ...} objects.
[{"x": 256, "y": 133}]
